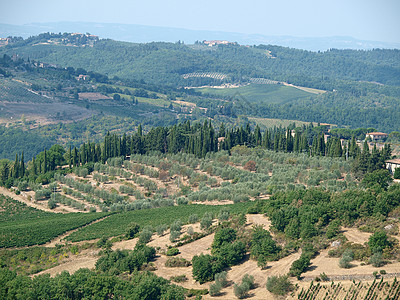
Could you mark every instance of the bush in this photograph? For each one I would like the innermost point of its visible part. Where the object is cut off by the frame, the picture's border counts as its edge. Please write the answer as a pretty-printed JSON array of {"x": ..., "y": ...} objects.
[
  {"x": 22, "y": 185},
  {"x": 179, "y": 278},
  {"x": 378, "y": 241},
  {"x": 248, "y": 280},
  {"x": 145, "y": 236},
  {"x": 52, "y": 204},
  {"x": 190, "y": 230},
  {"x": 174, "y": 235},
  {"x": 205, "y": 267},
  {"x": 172, "y": 252},
  {"x": 176, "y": 226},
  {"x": 396, "y": 174},
  {"x": 300, "y": 265},
  {"x": 241, "y": 290},
  {"x": 223, "y": 215},
  {"x": 221, "y": 278},
  {"x": 376, "y": 260},
  {"x": 206, "y": 221},
  {"x": 324, "y": 277},
  {"x": 161, "y": 229},
  {"x": 177, "y": 262},
  {"x": 132, "y": 230},
  {"x": 279, "y": 285},
  {"x": 193, "y": 218},
  {"x": 215, "y": 289},
  {"x": 347, "y": 258}
]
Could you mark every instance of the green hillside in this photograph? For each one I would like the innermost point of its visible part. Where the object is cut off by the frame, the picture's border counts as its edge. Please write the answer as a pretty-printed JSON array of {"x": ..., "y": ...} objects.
[{"x": 259, "y": 93}]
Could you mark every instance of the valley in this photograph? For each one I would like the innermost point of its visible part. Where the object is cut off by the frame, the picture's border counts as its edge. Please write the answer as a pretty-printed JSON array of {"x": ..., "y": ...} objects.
[{"x": 172, "y": 171}]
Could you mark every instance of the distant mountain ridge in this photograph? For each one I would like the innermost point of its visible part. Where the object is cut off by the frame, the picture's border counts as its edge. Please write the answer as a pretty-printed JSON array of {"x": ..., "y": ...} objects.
[{"x": 144, "y": 34}]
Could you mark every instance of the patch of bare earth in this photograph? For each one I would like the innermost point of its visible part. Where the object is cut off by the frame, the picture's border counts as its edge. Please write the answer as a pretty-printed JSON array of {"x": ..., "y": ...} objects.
[
  {"x": 330, "y": 266},
  {"x": 87, "y": 259},
  {"x": 125, "y": 244},
  {"x": 187, "y": 252},
  {"x": 356, "y": 236},
  {"x": 236, "y": 273},
  {"x": 259, "y": 219}
]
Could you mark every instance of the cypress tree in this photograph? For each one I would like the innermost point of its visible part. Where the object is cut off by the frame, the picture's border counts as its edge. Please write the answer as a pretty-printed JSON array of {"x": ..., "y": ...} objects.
[
  {"x": 16, "y": 167},
  {"x": 22, "y": 165}
]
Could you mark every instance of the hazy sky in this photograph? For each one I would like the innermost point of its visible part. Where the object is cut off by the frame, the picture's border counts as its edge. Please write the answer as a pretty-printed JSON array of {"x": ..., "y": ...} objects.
[{"x": 377, "y": 20}]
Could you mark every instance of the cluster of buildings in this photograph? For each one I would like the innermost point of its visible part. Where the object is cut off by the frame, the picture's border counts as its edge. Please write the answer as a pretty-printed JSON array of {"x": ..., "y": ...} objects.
[
  {"x": 217, "y": 42},
  {"x": 391, "y": 164}
]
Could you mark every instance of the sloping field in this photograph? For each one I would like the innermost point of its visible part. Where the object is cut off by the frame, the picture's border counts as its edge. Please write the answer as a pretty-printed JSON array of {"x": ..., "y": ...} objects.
[{"x": 260, "y": 93}]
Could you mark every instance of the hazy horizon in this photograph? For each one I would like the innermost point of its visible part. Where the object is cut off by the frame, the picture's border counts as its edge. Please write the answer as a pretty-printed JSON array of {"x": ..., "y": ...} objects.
[{"x": 359, "y": 19}]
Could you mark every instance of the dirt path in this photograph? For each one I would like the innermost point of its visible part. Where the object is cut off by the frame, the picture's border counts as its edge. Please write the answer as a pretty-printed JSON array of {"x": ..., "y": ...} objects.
[
  {"x": 61, "y": 239},
  {"x": 356, "y": 236},
  {"x": 85, "y": 260},
  {"x": 23, "y": 199}
]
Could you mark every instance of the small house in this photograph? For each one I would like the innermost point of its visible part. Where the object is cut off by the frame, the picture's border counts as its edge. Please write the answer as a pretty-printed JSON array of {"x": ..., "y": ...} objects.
[
  {"x": 392, "y": 165},
  {"x": 376, "y": 136}
]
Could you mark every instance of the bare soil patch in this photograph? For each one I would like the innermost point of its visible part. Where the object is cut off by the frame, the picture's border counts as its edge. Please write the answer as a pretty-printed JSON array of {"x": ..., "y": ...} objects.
[
  {"x": 330, "y": 266},
  {"x": 74, "y": 263},
  {"x": 259, "y": 219},
  {"x": 356, "y": 236}
]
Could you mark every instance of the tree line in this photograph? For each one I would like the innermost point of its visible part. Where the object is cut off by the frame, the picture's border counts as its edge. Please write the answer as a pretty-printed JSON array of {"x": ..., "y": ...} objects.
[{"x": 198, "y": 139}]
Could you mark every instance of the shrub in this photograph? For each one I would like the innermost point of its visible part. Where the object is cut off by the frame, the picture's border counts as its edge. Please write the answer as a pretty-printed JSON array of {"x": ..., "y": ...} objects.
[
  {"x": 376, "y": 260},
  {"x": 176, "y": 226},
  {"x": 206, "y": 221},
  {"x": 179, "y": 278},
  {"x": 223, "y": 215},
  {"x": 378, "y": 241},
  {"x": 22, "y": 185},
  {"x": 221, "y": 278},
  {"x": 396, "y": 174},
  {"x": 241, "y": 290},
  {"x": 279, "y": 285},
  {"x": 193, "y": 218},
  {"x": 250, "y": 166},
  {"x": 145, "y": 236},
  {"x": 205, "y": 267},
  {"x": 324, "y": 277},
  {"x": 300, "y": 265},
  {"x": 177, "y": 262},
  {"x": 132, "y": 230},
  {"x": 347, "y": 258},
  {"x": 174, "y": 235},
  {"x": 215, "y": 289},
  {"x": 52, "y": 204},
  {"x": 190, "y": 230},
  {"x": 161, "y": 229},
  {"x": 172, "y": 252},
  {"x": 248, "y": 280}
]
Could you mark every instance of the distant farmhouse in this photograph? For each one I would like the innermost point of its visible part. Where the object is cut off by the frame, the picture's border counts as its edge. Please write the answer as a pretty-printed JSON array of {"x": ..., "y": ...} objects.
[
  {"x": 392, "y": 165},
  {"x": 376, "y": 136},
  {"x": 214, "y": 43}
]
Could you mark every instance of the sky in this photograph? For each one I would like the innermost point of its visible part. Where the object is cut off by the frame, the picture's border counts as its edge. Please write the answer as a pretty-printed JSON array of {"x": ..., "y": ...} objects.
[{"x": 375, "y": 20}]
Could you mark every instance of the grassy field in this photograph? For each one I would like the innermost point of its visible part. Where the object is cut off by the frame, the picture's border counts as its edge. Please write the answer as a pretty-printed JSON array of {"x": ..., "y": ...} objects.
[{"x": 260, "y": 93}]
